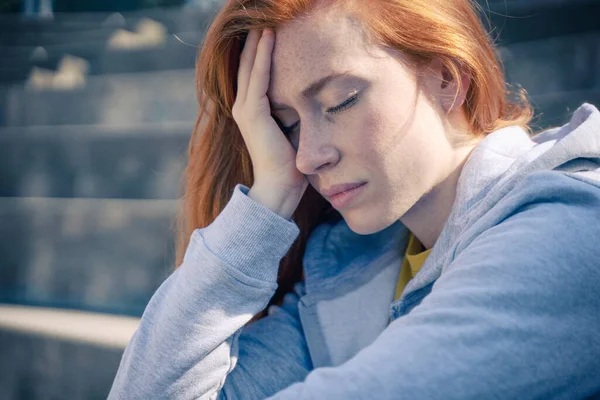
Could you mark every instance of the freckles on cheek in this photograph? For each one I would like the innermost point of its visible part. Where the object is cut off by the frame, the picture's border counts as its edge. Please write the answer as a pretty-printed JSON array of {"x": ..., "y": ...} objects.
[{"x": 380, "y": 134}]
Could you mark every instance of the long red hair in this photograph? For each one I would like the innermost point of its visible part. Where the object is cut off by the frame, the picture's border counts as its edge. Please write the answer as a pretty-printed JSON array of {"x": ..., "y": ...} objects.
[{"x": 451, "y": 30}]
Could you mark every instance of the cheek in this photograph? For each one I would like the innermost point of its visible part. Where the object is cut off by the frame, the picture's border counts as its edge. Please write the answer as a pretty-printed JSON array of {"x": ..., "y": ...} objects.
[{"x": 383, "y": 132}]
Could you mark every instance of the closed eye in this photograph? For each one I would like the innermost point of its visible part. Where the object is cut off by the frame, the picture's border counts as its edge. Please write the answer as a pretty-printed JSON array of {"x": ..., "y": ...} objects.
[
  {"x": 288, "y": 130},
  {"x": 346, "y": 104}
]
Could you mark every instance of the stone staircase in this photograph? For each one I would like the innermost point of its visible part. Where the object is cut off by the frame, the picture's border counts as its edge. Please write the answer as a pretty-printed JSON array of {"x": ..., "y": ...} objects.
[
  {"x": 91, "y": 153},
  {"x": 94, "y": 126},
  {"x": 90, "y": 169}
]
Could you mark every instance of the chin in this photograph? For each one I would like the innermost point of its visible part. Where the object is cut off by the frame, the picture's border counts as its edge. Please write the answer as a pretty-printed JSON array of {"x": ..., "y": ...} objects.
[{"x": 367, "y": 223}]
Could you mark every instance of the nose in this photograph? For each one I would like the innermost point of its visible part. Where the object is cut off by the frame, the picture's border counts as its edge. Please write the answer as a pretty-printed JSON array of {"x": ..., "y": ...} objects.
[{"x": 315, "y": 152}]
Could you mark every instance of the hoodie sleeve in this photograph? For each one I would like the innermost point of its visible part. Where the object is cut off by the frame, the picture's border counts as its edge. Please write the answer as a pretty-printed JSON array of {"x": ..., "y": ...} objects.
[
  {"x": 515, "y": 315},
  {"x": 192, "y": 343}
]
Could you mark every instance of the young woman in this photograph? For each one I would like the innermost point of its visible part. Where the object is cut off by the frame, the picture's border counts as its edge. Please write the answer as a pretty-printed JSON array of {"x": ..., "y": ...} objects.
[{"x": 365, "y": 158}]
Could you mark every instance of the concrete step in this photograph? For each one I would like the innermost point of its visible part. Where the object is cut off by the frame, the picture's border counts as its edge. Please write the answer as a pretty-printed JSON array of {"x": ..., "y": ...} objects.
[
  {"x": 172, "y": 55},
  {"x": 105, "y": 330},
  {"x": 174, "y": 18},
  {"x": 142, "y": 162},
  {"x": 557, "y": 64},
  {"x": 116, "y": 99},
  {"x": 86, "y": 254},
  {"x": 34, "y": 37},
  {"x": 43, "y": 367},
  {"x": 60, "y": 354},
  {"x": 56, "y": 34},
  {"x": 88, "y": 49}
]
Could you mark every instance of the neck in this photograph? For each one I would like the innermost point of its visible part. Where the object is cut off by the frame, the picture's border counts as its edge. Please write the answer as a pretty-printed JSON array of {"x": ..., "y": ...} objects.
[{"x": 428, "y": 216}]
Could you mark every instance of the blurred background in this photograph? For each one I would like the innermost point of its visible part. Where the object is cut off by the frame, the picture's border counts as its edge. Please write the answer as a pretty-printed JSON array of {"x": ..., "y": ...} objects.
[{"x": 97, "y": 103}]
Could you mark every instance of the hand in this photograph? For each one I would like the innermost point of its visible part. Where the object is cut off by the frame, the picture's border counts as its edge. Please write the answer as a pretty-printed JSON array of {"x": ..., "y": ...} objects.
[{"x": 273, "y": 157}]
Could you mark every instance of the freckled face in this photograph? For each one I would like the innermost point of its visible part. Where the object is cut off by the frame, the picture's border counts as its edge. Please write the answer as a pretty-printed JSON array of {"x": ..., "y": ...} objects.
[{"x": 374, "y": 124}]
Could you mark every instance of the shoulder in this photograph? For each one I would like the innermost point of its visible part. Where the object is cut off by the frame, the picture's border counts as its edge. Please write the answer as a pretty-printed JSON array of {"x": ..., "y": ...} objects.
[
  {"x": 545, "y": 236},
  {"x": 541, "y": 202},
  {"x": 556, "y": 186},
  {"x": 548, "y": 204},
  {"x": 552, "y": 204}
]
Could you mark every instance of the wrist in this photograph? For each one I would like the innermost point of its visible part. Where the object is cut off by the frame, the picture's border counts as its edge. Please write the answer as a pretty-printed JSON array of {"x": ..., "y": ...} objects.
[{"x": 281, "y": 205}]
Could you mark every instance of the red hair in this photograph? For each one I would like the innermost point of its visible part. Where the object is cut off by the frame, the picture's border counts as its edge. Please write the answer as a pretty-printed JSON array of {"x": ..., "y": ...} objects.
[{"x": 450, "y": 30}]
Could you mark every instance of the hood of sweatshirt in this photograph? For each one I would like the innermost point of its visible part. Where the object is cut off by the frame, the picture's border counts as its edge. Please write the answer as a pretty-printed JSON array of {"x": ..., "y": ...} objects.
[{"x": 500, "y": 162}]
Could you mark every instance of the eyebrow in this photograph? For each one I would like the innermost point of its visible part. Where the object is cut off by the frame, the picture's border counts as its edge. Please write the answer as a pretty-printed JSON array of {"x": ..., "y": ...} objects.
[{"x": 313, "y": 89}]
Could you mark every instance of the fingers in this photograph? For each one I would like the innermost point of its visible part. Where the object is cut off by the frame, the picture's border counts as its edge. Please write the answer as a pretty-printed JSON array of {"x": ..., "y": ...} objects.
[
  {"x": 261, "y": 72},
  {"x": 247, "y": 58}
]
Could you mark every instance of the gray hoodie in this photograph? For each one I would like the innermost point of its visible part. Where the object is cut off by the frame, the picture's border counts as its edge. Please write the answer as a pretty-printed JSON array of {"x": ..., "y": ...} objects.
[{"x": 506, "y": 305}]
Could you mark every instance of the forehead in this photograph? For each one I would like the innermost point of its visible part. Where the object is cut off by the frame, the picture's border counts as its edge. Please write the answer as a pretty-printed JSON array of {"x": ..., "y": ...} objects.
[{"x": 311, "y": 47}]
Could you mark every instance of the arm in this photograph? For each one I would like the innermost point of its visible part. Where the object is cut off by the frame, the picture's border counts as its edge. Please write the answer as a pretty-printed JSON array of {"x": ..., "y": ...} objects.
[
  {"x": 515, "y": 315},
  {"x": 192, "y": 330}
]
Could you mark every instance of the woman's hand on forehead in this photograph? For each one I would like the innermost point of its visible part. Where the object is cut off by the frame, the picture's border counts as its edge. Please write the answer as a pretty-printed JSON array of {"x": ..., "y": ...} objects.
[{"x": 273, "y": 157}]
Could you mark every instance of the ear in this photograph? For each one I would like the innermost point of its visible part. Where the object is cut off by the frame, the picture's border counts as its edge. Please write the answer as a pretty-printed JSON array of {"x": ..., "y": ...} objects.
[{"x": 448, "y": 92}]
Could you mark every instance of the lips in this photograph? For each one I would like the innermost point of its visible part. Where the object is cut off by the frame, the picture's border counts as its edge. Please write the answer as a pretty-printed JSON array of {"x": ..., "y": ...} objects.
[{"x": 337, "y": 189}]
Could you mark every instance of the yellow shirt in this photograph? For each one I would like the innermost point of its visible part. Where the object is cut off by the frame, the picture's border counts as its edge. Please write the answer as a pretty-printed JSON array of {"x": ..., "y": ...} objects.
[{"x": 414, "y": 258}]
